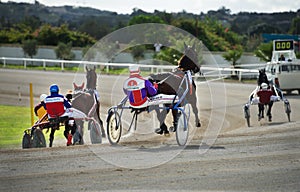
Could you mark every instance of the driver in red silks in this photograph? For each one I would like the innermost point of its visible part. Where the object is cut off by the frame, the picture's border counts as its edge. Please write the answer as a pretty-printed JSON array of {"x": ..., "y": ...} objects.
[{"x": 264, "y": 95}]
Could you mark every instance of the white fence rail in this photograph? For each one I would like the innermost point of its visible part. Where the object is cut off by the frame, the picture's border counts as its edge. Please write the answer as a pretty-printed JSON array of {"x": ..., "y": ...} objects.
[{"x": 207, "y": 71}]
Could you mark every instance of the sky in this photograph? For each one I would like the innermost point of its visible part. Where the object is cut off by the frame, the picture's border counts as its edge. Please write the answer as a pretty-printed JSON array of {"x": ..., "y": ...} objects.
[{"x": 190, "y": 6}]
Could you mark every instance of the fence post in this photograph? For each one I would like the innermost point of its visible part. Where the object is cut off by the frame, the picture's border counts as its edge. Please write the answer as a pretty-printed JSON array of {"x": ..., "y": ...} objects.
[
  {"x": 25, "y": 64},
  {"x": 62, "y": 66},
  {"x": 44, "y": 64},
  {"x": 240, "y": 76},
  {"x": 4, "y": 62},
  {"x": 107, "y": 68},
  {"x": 31, "y": 103}
]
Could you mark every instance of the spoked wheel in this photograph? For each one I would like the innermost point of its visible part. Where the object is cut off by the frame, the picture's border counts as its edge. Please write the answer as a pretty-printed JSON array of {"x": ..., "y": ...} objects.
[
  {"x": 182, "y": 131},
  {"x": 114, "y": 127},
  {"x": 247, "y": 114},
  {"x": 95, "y": 132},
  {"x": 26, "y": 141},
  {"x": 287, "y": 108},
  {"x": 38, "y": 139}
]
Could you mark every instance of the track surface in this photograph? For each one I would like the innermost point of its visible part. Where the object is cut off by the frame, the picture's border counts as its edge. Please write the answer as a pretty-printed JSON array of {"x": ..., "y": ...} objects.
[{"x": 224, "y": 154}]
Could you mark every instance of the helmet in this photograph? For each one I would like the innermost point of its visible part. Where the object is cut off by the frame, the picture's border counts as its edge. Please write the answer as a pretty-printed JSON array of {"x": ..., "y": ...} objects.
[
  {"x": 264, "y": 86},
  {"x": 69, "y": 92},
  {"x": 43, "y": 97},
  {"x": 134, "y": 69},
  {"x": 54, "y": 88}
]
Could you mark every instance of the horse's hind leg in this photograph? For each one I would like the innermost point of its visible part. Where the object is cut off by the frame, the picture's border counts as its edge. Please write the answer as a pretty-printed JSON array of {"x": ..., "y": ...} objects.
[
  {"x": 100, "y": 121},
  {"x": 175, "y": 120},
  {"x": 161, "y": 116},
  {"x": 193, "y": 102}
]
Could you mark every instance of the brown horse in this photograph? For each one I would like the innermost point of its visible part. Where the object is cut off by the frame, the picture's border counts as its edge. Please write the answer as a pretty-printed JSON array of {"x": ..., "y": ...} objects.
[
  {"x": 168, "y": 83},
  {"x": 86, "y": 100}
]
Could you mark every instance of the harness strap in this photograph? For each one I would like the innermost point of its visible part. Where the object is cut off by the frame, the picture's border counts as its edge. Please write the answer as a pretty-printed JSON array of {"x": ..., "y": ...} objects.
[{"x": 93, "y": 108}]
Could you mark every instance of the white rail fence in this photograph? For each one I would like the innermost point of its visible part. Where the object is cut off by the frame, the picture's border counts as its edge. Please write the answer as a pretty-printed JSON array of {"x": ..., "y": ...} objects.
[{"x": 221, "y": 71}]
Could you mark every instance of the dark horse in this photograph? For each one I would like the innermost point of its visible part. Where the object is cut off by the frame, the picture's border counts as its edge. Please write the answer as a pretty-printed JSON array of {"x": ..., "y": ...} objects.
[
  {"x": 86, "y": 100},
  {"x": 168, "y": 83}
]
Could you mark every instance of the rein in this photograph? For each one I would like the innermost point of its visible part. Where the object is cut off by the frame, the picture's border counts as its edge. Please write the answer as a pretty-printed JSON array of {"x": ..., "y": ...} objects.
[{"x": 172, "y": 73}]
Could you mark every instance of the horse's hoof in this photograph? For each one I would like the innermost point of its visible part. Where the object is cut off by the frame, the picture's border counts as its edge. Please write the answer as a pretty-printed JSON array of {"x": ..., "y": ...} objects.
[
  {"x": 167, "y": 134},
  {"x": 198, "y": 124},
  {"x": 159, "y": 131},
  {"x": 172, "y": 129}
]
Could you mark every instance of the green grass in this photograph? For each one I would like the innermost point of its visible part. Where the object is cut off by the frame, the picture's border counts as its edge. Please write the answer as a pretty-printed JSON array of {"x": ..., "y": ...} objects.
[{"x": 13, "y": 121}]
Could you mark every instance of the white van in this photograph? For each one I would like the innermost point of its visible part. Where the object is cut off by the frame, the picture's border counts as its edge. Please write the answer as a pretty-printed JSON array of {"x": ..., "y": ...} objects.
[{"x": 284, "y": 68}]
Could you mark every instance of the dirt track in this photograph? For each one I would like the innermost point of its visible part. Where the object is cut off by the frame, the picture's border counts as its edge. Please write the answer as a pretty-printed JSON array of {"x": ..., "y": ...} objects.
[{"x": 264, "y": 157}]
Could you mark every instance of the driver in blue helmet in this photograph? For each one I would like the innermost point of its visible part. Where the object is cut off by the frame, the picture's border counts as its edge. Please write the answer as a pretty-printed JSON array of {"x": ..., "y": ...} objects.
[
  {"x": 54, "y": 92},
  {"x": 57, "y": 106}
]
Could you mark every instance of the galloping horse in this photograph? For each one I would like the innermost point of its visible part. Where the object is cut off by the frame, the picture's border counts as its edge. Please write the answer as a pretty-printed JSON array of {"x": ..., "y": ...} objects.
[
  {"x": 86, "y": 100},
  {"x": 168, "y": 83}
]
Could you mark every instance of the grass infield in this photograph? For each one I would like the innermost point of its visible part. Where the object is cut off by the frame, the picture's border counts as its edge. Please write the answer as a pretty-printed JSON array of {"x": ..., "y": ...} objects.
[{"x": 13, "y": 121}]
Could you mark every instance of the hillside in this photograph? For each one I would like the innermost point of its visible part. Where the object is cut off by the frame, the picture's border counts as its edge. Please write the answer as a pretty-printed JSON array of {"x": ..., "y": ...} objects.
[{"x": 241, "y": 23}]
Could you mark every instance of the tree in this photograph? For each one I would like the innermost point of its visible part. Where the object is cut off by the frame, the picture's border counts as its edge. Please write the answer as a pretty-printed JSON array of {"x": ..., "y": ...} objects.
[
  {"x": 46, "y": 35},
  {"x": 145, "y": 19},
  {"x": 233, "y": 56},
  {"x": 295, "y": 26},
  {"x": 264, "y": 51},
  {"x": 29, "y": 47},
  {"x": 63, "y": 51},
  {"x": 138, "y": 52}
]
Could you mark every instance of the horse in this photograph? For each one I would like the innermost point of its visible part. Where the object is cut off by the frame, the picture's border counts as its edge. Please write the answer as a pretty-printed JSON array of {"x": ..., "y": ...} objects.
[
  {"x": 262, "y": 78},
  {"x": 86, "y": 100},
  {"x": 169, "y": 82}
]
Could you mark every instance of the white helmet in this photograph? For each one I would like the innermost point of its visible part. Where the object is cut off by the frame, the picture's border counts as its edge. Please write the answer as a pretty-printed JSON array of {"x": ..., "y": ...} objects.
[
  {"x": 264, "y": 86},
  {"x": 134, "y": 69},
  {"x": 43, "y": 97}
]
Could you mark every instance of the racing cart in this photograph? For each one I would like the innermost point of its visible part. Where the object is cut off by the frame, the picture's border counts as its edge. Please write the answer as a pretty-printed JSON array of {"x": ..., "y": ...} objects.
[
  {"x": 34, "y": 137},
  {"x": 157, "y": 102},
  {"x": 276, "y": 97}
]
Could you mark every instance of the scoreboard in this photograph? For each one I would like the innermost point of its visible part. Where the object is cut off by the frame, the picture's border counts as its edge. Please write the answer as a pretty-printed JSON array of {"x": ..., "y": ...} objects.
[{"x": 283, "y": 45}]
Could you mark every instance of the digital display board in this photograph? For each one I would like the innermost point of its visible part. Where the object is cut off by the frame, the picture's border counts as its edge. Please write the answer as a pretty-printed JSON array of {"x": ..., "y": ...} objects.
[{"x": 282, "y": 45}]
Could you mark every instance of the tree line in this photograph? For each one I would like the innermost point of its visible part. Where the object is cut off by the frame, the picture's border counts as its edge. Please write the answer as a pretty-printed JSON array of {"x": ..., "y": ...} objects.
[{"x": 35, "y": 24}]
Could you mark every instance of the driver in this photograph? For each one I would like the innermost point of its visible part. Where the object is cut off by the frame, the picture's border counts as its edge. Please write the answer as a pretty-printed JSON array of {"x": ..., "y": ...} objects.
[
  {"x": 58, "y": 106},
  {"x": 264, "y": 95},
  {"x": 137, "y": 88}
]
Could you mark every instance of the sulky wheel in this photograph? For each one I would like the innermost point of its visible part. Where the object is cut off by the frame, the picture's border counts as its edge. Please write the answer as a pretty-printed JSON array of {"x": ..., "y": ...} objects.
[
  {"x": 247, "y": 114},
  {"x": 38, "y": 139},
  {"x": 182, "y": 131},
  {"x": 114, "y": 127},
  {"x": 26, "y": 141},
  {"x": 287, "y": 107}
]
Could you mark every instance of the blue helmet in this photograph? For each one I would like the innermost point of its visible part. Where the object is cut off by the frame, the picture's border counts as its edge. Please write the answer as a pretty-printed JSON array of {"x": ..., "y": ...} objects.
[{"x": 54, "y": 88}]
